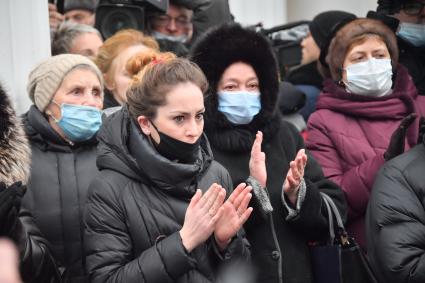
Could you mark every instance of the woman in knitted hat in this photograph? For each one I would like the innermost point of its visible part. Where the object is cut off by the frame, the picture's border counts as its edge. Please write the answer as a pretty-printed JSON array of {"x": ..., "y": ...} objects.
[
  {"x": 67, "y": 92},
  {"x": 363, "y": 113},
  {"x": 157, "y": 210},
  {"x": 241, "y": 119}
]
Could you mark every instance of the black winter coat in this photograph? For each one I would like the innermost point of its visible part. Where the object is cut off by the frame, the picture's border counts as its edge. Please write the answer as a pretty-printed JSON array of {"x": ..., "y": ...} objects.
[
  {"x": 395, "y": 220},
  {"x": 137, "y": 206},
  {"x": 36, "y": 262},
  {"x": 57, "y": 190},
  {"x": 279, "y": 247},
  {"x": 413, "y": 58}
]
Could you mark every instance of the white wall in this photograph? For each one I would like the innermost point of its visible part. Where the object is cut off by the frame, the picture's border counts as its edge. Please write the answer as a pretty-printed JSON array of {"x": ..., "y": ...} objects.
[
  {"x": 25, "y": 41},
  {"x": 297, "y": 9},
  {"x": 277, "y": 12},
  {"x": 250, "y": 12}
]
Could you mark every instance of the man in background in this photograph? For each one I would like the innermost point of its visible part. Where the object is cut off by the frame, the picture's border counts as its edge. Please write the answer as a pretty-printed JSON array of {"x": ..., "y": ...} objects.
[{"x": 407, "y": 19}]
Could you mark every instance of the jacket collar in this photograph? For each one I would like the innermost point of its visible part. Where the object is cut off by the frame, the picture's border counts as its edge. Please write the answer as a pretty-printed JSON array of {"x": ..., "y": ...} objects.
[
  {"x": 125, "y": 149},
  {"x": 394, "y": 106},
  {"x": 40, "y": 132}
]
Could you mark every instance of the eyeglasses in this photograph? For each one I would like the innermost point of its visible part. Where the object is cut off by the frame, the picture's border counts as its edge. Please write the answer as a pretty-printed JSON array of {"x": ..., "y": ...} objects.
[
  {"x": 164, "y": 20},
  {"x": 413, "y": 8}
]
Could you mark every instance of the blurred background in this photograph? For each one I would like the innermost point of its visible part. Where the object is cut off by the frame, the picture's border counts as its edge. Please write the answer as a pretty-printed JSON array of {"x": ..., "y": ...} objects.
[{"x": 25, "y": 38}]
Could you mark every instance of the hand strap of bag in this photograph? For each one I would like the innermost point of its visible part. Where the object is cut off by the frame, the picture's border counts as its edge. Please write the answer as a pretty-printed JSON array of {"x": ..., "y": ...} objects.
[
  {"x": 331, "y": 222},
  {"x": 333, "y": 211}
]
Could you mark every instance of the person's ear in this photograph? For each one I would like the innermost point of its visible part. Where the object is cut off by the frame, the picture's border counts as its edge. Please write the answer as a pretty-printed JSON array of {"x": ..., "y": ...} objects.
[
  {"x": 144, "y": 124},
  {"x": 108, "y": 84}
]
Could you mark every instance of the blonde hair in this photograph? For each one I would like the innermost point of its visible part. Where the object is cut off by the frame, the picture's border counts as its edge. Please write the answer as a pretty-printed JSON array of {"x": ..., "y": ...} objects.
[
  {"x": 154, "y": 75},
  {"x": 114, "y": 45}
]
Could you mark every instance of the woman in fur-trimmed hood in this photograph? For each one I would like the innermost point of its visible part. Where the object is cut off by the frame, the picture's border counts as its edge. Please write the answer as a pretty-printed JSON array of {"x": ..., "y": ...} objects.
[
  {"x": 243, "y": 84},
  {"x": 15, "y": 157},
  {"x": 17, "y": 224}
]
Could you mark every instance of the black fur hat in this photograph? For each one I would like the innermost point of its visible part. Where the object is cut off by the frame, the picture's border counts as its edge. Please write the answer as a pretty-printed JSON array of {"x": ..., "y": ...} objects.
[{"x": 230, "y": 43}]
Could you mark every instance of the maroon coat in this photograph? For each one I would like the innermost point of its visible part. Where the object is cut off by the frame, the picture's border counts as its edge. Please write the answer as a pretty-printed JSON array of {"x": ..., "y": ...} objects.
[{"x": 348, "y": 135}]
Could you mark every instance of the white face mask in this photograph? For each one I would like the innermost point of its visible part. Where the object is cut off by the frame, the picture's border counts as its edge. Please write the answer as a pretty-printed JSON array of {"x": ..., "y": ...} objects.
[{"x": 372, "y": 77}]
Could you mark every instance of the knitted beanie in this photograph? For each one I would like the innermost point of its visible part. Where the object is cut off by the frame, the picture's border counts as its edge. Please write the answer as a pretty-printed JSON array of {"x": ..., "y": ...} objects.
[
  {"x": 46, "y": 78},
  {"x": 323, "y": 24},
  {"x": 347, "y": 34},
  {"x": 88, "y": 5}
]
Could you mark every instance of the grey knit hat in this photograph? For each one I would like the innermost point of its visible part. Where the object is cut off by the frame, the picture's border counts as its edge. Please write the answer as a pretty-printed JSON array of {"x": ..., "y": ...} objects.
[{"x": 46, "y": 78}]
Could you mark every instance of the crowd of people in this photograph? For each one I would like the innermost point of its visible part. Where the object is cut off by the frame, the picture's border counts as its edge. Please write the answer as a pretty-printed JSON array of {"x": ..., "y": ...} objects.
[{"x": 163, "y": 155}]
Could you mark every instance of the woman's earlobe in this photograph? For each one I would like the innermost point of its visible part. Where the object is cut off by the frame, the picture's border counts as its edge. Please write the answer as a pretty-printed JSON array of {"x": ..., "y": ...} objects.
[{"x": 144, "y": 124}]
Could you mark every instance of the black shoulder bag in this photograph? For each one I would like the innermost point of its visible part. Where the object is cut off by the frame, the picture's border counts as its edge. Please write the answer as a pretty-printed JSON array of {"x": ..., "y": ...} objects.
[{"x": 341, "y": 260}]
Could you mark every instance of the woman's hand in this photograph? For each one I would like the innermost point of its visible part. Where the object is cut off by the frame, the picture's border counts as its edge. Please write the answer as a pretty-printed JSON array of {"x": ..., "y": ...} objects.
[
  {"x": 55, "y": 18},
  {"x": 235, "y": 213},
  {"x": 294, "y": 176},
  {"x": 9, "y": 262},
  {"x": 257, "y": 162},
  {"x": 201, "y": 216}
]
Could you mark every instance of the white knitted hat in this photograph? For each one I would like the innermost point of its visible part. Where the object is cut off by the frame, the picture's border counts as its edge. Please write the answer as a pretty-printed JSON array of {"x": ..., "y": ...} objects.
[{"x": 46, "y": 78}]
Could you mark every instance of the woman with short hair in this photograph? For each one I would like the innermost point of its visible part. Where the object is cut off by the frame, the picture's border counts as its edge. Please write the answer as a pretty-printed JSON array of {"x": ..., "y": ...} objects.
[{"x": 363, "y": 113}]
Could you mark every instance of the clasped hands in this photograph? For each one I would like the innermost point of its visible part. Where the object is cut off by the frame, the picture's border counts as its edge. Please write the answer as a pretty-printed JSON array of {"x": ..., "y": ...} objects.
[
  {"x": 209, "y": 214},
  {"x": 294, "y": 176}
]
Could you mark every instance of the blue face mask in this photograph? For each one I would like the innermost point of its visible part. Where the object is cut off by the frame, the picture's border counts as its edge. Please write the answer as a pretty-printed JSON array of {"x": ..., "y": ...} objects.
[
  {"x": 79, "y": 123},
  {"x": 413, "y": 33},
  {"x": 159, "y": 35},
  {"x": 239, "y": 107}
]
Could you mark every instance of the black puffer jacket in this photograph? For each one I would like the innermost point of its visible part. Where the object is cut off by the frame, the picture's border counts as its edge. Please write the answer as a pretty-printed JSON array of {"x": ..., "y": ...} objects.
[
  {"x": 395, "y": 221},
  {"x": 137, "y": 206},
  {"x": 279, "y": 247},
  {"x": 57, "y": 190}
]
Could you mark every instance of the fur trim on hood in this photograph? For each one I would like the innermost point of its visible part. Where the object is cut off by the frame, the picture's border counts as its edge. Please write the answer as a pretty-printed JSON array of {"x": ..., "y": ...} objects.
[
  {"x": 214, "y": 52},
  {"x": 230, "y": 43},
  {"x": 15, "y": 156}
]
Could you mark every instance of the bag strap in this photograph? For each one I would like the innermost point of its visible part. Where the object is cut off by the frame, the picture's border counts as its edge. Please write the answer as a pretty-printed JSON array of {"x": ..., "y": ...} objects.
[
  {"x": 331, "y": 222},
  {"x": 335, "y": 212}
]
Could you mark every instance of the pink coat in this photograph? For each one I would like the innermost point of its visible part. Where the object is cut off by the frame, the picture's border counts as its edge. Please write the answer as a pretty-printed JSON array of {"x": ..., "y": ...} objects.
[{"x": 348, "y": 135}]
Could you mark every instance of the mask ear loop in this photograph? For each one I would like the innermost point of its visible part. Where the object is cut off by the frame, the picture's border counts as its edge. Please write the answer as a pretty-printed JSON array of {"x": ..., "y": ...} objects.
[
  {"x": 341, "y": 82},
  {"x": 150, "y": 136},
  {"x": 50, "y": 113}
]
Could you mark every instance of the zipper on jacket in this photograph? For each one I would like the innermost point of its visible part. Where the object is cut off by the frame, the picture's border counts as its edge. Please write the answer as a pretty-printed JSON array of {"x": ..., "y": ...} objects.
[{"x": 279, "y": 270}]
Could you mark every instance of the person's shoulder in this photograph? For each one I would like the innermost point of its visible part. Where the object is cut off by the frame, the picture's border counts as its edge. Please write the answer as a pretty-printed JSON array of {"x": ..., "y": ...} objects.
[
  {"x": 109, "y": 183},
  {"x": 412, "y": 160}
]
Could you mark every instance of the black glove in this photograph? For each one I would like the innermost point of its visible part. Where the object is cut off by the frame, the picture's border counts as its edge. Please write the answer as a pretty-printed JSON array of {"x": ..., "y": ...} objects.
[
  {"x": 396, "y": 146},
  {"x": 10, "y": 203},
  {"x": 421, "y": 132}
]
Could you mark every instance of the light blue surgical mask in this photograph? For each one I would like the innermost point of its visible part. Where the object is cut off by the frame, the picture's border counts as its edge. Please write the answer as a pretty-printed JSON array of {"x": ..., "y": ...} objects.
[
  {"x": 413, "y": 33},
  {"x": 159, "y": 35},
  {"x": 239, "y": 107},
  {"x": 371, "y": 78},
  {"x": 78, "y": 122}
]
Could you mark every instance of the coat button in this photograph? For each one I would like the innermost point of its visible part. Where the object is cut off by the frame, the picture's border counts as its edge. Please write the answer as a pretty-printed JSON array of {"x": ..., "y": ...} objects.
[{"x": 275, "y": 255}]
